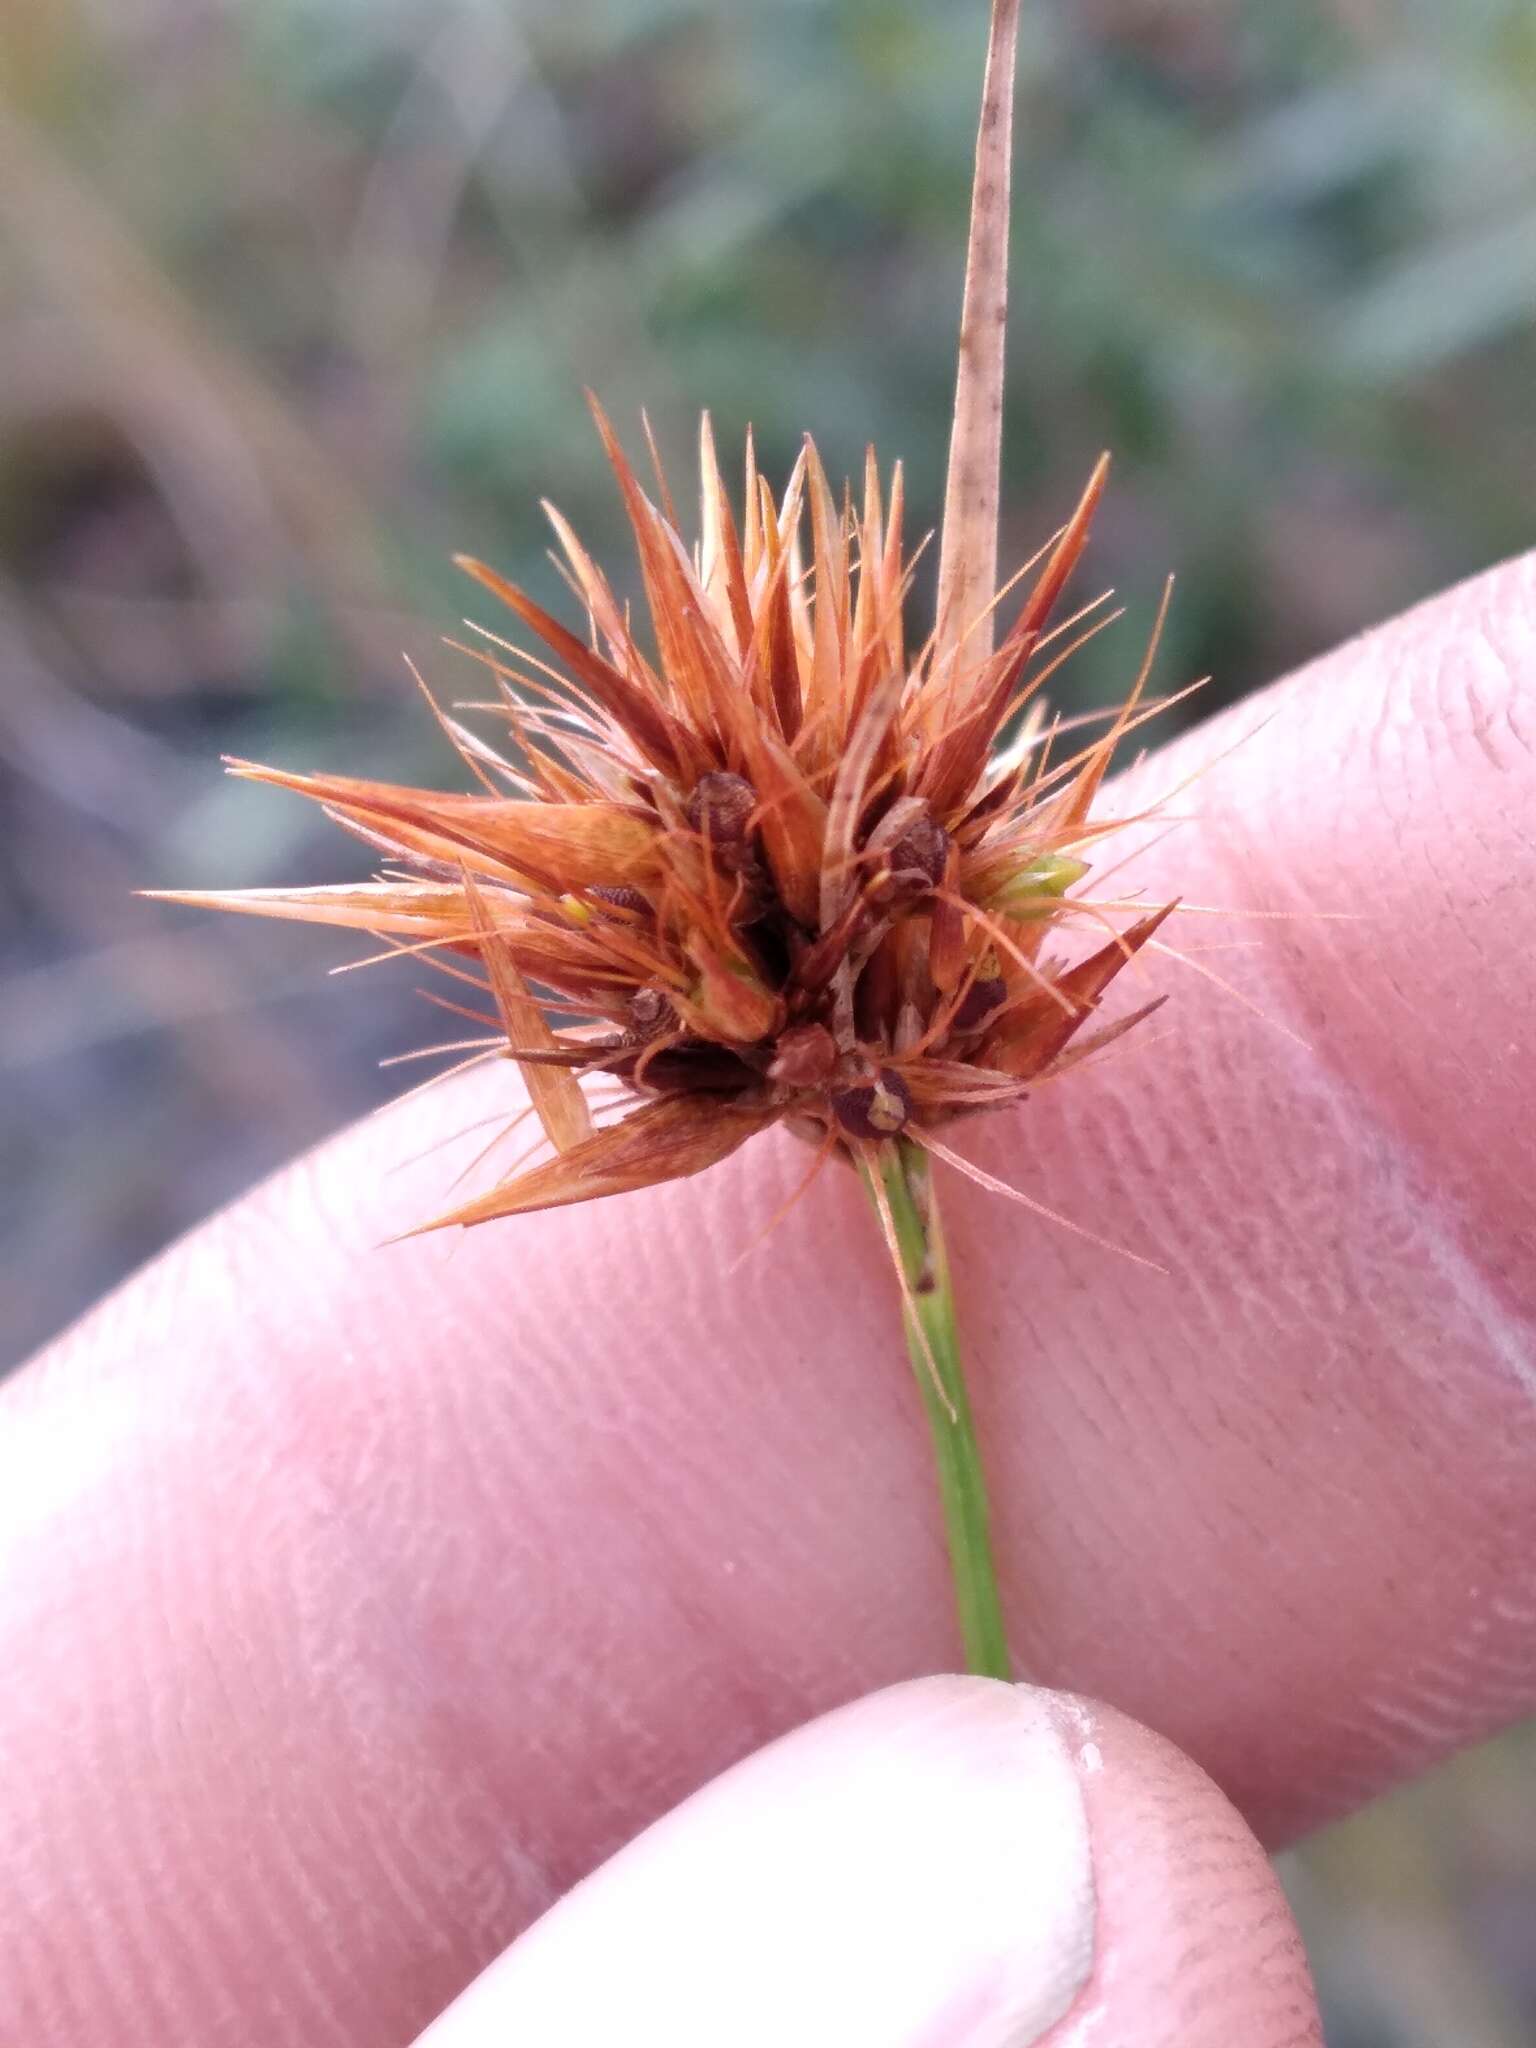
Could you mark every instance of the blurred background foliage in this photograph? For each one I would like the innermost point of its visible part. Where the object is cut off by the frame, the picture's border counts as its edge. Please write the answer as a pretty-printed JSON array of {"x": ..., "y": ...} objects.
[{"x": 297, "y": 296}]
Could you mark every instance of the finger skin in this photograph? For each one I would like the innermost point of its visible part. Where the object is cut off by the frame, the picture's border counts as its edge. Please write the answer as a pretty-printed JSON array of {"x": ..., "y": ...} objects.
[
  {"x": 952, "y": 1863},
  {"x": 367, "y": 1598},
  {"x": 1195, "y": 1946}
]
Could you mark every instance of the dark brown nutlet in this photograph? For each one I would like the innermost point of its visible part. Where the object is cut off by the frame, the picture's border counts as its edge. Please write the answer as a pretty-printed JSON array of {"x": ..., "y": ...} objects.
[
  {"x": 804, "y": 1057},
  {"x": 908, "y": 851},
  {"x": 876, "y": 1107},
  {"x": 720, "y": 810},
  {"x": 619, "y": 897},
  {"x": 988, "y": 992},
  {"x": 694, "y": 1069}
]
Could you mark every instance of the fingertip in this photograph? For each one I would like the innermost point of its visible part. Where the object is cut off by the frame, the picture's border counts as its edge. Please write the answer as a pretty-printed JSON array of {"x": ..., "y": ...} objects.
[
  {"x": 952, "y": 1863},
  {"x": 1196, "y": 1946},
  {"x": 914, "y": 1868}
]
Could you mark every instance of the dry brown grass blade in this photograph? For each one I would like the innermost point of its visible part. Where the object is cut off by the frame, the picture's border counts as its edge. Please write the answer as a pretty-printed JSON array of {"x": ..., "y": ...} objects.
[
  {"x": 556, "y": 1094},
  {"x": 631, "y": 708},
  {"x": 722, "y": 572},
  {"x": 666, "y": 1140},
  {"x": 968, "y": 548},
  {"x": 409, "y": 908},
  {"x": 1039, "y": 1032},
  {"x": 692, "y": 655},
  {"x": 969, "y": 723}
]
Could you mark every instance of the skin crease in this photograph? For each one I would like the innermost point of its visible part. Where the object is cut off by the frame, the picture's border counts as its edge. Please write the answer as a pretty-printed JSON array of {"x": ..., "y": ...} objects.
[{"x": 368, "y": 1598}]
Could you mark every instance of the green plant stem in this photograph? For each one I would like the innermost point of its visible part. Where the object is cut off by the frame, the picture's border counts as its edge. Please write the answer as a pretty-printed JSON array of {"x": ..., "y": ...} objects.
[{"x": 933, "y": 1342}]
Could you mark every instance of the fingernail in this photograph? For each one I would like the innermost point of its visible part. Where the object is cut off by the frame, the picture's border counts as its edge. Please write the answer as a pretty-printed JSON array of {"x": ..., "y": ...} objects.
[
  {"x": 1023, "y": 1926},
  {"x": 910, "y": 1871}
]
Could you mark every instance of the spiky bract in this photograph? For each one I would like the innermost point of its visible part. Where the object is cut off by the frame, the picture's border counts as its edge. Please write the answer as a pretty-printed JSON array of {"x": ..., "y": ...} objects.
[{"x": 770, "y": 864}]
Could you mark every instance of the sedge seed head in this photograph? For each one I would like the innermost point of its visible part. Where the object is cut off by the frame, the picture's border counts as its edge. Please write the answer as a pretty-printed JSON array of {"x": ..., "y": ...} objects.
[
  {"x": 764, "y": 859},
  {"x": 656, "y": 878}
]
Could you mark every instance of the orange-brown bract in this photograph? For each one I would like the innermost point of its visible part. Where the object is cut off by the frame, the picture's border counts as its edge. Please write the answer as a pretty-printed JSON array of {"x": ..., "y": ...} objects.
[{"x": 770, "y": 864}]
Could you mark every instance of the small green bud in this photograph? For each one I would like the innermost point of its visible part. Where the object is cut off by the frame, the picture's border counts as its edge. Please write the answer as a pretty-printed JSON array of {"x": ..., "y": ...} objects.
[{"x": 1048, "y": 876}]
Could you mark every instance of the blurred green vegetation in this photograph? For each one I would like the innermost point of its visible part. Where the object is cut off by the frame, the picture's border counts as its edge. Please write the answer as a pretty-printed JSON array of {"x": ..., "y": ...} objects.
[{"x": 297, "y": 297}]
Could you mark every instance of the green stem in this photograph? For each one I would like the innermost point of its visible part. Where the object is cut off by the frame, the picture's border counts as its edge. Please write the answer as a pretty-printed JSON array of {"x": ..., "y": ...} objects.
[{"x": 933, "y": 1342}]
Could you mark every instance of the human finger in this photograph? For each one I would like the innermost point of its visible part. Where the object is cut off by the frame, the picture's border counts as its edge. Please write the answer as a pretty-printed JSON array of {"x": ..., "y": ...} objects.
[
  {"x": 952, "y": 1863},
  {"x": 499, "y": 1547}
]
